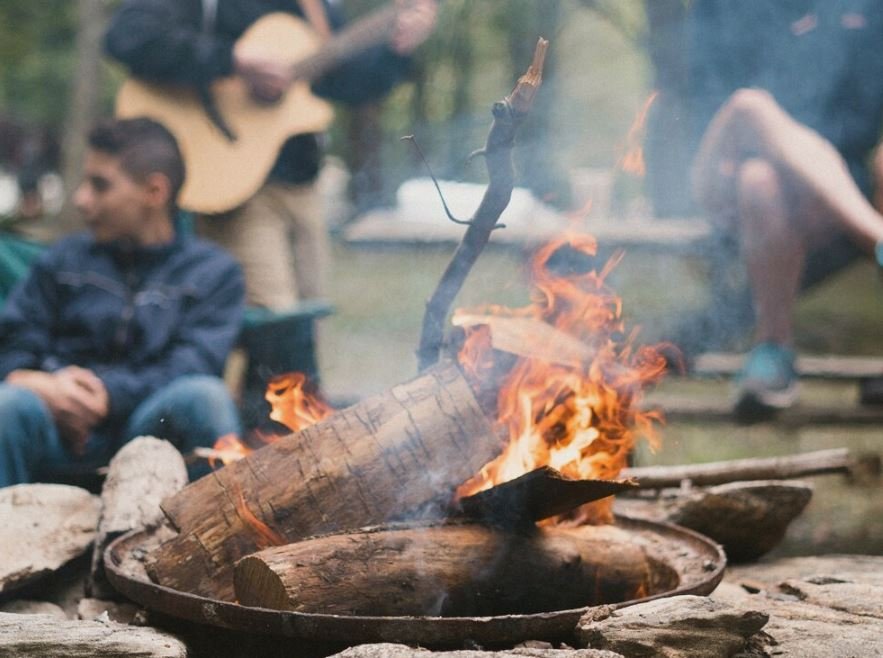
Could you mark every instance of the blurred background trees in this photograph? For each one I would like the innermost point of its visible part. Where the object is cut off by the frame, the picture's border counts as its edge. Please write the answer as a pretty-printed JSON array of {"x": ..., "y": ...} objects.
[{"x": 54, "y": 83}]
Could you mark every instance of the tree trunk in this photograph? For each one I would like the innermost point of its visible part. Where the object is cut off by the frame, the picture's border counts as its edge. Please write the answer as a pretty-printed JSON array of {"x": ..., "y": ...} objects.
[
  {"x": 386, "y": 457},
  {"x": 447, "y": 570},
  {"x": 84, "y": 101}
]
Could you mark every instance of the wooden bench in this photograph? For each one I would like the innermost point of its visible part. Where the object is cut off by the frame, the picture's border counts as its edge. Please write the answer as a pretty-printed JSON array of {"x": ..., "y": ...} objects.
[{"x": 386, "y": 227}]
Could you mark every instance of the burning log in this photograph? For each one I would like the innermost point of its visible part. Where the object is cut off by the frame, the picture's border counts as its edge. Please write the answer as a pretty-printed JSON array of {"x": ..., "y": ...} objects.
[
  {"x": 380, "y": 459},
  {"x": 538, "y": 495},
  {"x": 446, "y": 570},
  {"x": 838, "y": 460},
  {"x": 143, "y": 473}
]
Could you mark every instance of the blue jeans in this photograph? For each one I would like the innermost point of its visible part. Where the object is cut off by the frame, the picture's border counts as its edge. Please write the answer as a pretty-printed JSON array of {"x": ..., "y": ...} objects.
[{"x": 191, "y": 411}]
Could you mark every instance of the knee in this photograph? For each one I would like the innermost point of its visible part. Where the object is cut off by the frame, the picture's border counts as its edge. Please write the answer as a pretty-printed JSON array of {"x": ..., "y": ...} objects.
[
  {"x": 750, "y": 103},
  {"x": 201, "y": 390},
  {"x": 758, "y": 180},
  {"x": 20, "y": 404},
  {"x": 24, "y": 414}
]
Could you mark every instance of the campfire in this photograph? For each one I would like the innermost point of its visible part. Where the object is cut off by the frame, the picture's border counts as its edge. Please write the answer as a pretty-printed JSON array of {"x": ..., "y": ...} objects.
[
  {"x": 457, "y": 492},
  {"x": 571, "y": 401},
  {"x": 458, "y": 495}
]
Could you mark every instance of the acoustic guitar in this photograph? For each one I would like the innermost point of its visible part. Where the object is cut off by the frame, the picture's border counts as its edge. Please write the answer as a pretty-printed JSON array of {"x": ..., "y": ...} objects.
[{"x": 225, "y": 170}]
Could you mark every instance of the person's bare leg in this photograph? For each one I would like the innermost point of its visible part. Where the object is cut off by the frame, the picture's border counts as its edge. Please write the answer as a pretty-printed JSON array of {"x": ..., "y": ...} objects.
[
  {"x": 773, "y": 248},
  {"x": 752, "y": 124}
]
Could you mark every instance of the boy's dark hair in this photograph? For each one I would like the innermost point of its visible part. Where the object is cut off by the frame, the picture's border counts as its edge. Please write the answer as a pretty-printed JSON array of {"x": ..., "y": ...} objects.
[{"x": 144, "y": 147}]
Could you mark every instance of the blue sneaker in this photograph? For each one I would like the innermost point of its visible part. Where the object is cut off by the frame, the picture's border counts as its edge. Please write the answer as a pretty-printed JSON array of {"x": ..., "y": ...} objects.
[{"x": 767, "y": 383}]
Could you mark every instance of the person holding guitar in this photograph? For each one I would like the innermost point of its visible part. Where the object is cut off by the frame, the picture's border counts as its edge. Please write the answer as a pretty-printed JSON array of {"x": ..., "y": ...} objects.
[{"x": 236, "y": 82}]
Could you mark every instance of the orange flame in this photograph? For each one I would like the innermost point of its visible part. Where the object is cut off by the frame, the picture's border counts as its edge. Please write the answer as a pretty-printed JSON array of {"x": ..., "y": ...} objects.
[
  {"x": 581, "y": 419},
  {"x": 290, "y": 405},
  {"x": 632, "y": 162},
  {"x": 227, "y": 449}
]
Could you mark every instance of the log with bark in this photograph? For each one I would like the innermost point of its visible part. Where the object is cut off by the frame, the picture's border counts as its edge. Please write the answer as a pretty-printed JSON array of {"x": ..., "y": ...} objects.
[
  {"x": 144, "y": 472},
  {"x": 386, "y": 457},
  {"x": 447, "y": 570}
]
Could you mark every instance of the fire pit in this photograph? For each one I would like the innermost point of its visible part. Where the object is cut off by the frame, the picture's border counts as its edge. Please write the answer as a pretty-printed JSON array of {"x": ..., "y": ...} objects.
[{"x": 679, "y": 562}]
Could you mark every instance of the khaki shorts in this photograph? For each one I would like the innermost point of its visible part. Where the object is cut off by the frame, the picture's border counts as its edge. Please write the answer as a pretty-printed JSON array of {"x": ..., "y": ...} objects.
[{"x": 279, "y": 238}]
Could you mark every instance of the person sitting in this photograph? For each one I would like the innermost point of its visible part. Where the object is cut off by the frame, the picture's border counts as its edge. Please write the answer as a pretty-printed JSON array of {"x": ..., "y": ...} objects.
[
  {"x": 121, "y": 331},
  {"x": 787, "y": 106},
  {"x": 792, "y": 197}
]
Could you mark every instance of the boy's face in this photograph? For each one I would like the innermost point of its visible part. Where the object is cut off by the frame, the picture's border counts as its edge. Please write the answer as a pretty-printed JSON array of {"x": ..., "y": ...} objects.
[{"x": 114, "y": 206}]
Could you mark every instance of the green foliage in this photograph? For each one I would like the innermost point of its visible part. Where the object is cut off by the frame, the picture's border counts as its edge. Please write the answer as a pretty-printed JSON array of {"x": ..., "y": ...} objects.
[{"x": 36, "y": 46}]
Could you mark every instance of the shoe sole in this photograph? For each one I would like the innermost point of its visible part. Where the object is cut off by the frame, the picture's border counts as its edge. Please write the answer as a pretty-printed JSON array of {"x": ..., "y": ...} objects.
[{"x": 757, "y": 405}]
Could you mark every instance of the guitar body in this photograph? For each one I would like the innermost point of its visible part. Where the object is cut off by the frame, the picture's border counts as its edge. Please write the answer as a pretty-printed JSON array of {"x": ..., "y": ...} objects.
[{"x": 223, "y": 174}]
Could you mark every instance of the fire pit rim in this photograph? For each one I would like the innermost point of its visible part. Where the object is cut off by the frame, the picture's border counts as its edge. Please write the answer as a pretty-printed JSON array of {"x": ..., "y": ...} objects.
[{"x": 420, "y": 629}]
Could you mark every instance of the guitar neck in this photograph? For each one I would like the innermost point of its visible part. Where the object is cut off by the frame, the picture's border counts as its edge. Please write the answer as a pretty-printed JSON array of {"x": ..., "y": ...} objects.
[{"x": 346, "y": 44}]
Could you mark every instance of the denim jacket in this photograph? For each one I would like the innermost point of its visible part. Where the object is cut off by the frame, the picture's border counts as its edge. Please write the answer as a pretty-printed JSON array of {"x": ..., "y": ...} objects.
[{"x": 137, "y": 318}]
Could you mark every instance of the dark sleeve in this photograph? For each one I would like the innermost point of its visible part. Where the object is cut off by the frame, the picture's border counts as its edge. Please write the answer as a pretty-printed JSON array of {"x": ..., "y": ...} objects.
[
  {"x": 208, "y": 330},
  {"x": 27, "y": 319},
  {"x": 368, "y": 76},
  {"x": 162, "y": 40}
]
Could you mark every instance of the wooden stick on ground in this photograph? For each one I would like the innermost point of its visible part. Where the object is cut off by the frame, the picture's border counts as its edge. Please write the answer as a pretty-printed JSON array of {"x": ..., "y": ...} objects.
[
  {"x": 508, "y": 115},
  {"x": 838, "y": 460}
]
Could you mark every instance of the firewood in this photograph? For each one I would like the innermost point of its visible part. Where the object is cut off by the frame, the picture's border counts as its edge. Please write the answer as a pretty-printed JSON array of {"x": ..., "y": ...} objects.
[
  {"x": 837, "y": 460},
  {"x": 748, "y": 519},
  {"x": 143, "y": 473},
  {"x": 44, "y": 527},
  {"x": 44, "y": 635},
  {"x": 385, "y": 457},
  {"x": 538, "y": 495},
  {"x": 446, "y": 570},
  {"x": 677, "y": 627}
]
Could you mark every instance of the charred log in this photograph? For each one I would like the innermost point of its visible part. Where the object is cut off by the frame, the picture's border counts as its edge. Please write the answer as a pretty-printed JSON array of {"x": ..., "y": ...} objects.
[{"x": 447, "y": 570}]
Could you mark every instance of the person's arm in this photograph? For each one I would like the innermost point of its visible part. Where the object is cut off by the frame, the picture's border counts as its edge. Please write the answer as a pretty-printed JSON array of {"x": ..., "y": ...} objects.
[
  {"x": 27, "y": 319},
  {"x": 207, "y": 332},
  {"x": 162, "y": 41},
  {"x": 74, "y": 396},
  {"x": 373, "y": 73}
]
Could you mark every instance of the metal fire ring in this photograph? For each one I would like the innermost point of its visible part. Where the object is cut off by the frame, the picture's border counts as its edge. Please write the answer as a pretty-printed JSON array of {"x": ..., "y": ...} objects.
[{"x": 698, "y": 561}]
